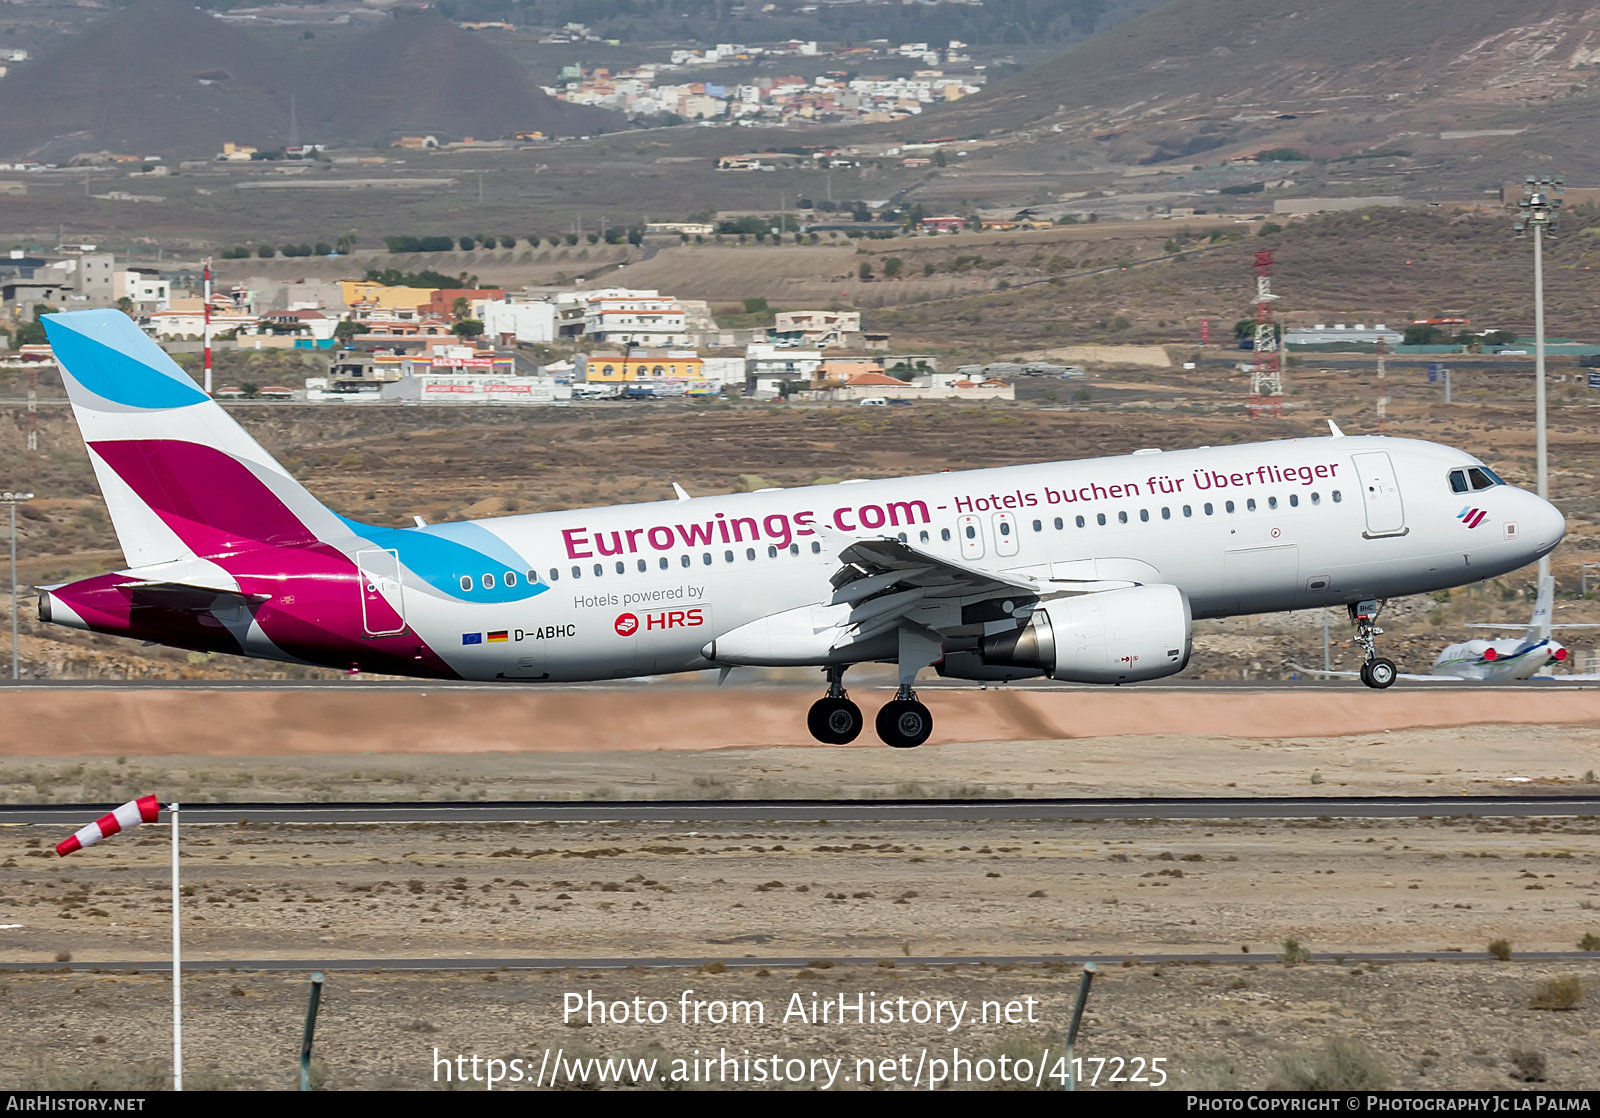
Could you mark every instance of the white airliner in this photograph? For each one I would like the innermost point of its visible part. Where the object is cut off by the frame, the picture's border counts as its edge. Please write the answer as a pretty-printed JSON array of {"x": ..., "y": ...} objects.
[{"x": 1087, "y": 571}]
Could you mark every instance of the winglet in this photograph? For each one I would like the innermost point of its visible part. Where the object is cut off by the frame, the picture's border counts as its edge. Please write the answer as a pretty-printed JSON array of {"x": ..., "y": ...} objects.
[
  {"x": 1333, "y": 429},
  {"x": 679, "y": 490}
]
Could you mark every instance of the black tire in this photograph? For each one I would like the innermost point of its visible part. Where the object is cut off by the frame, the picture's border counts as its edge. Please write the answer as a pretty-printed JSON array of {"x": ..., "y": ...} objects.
[
  {"x": 1365, "y": 678},
  {"x": 834, "y": 721},
  {"x": 1381, "y": 673},
  {"x": 904, "y": 723}
]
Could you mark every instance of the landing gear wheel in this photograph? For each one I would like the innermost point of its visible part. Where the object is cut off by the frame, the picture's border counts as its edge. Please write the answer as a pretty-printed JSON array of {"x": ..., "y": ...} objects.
[
  {"x": 1378, "y": 674},
  {"x": 904, "y": 723},
  {"x": 834, "y": 721}
]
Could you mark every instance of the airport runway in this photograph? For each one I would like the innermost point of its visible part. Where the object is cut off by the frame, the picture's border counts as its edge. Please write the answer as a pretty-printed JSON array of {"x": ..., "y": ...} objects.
[
  {"x": 707, "y": 683},
  {"x": 853, "y": 811},
  {"x": 200, "y": 966}
]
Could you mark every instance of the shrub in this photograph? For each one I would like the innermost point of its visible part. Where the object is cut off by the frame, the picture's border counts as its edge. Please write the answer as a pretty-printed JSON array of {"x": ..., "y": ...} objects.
[
  {"x": 1562, "y": 992},
  {"x": 1294, "y": 952},
  {"x": 1500, "y": 949},
  {"x": 1341, "y": 1064},
  {"x": 1589, "y": 942},
  {"x": 266, "y": 252},
  {"x": 1527, "y": 1066},
  {"x": 467, "y": 243}
]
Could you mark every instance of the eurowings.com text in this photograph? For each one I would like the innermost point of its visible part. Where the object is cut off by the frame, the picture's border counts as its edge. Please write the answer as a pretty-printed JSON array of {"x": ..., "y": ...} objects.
[{"x": 921, "y": 1068}]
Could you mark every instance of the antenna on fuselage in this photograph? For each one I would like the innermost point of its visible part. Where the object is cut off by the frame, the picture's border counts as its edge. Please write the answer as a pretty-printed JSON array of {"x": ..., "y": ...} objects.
[
  {"x": 1333, "y": 429},
  {"x": 679, "y": 490}
]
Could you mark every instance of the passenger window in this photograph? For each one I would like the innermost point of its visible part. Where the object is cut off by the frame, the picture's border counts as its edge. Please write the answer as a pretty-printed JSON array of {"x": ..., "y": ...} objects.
[
  {"x": 794, "y": 548},
  {"x": 772, "y": 552},
  {"x": 466, "y": 583},
  {"x": 555, "y": 575},
  {"x": 1228, "y": 505},
  {"x": 577, "y": 572},
  {"x": 1337, "y": 497},
  {"x": 599, "y": 570},
  {"x": 922, "y": 536},
  {"x": 705, "y": 557},
  {"x": 663, "y": 562},
  {"x": 1272, "y": 502},
  {"x": 750, "y": 553},
  {"x": 509, "y": 578},
  {"x": 972, "y": 532},
  {"x": 1479, "y": 479},
  {"x": 1080, "y": 522},
  {"x": 1209, "y": 509},
  {"x": 1101, "y": 517},
  {"x": 816, "y": 548},
  {"x": 488, "y": 582},
  {"x": 1060, "y": 524},
  {"x": 1188, "y": 511},
  {"x": 643, "y": 566},
  {"x": 1005, "y": 527},
  {"x": 1294, "y": 500},
  {"x": 533, "y": 576},
  {"x": 1316, "y": 498},
  {"x": 1038, "y": 525},
  {"x": 1166, "y": 514},
  {"x": 1122, "y": 517},
  {"x": 944, "y": 534},
  {"x": 622, "y": 568},
  {"x": 1458, "y": 481},
  {"x": 1250, "y": 505},
  {"x": 727, "y": 556},
  {"x": 684, "y": 560},
  {"x": 1144, "y": 515}
]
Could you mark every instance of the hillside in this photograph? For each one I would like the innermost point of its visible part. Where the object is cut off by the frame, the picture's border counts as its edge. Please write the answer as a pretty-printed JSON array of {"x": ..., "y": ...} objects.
[
  {"x": 1199, "y": 80},
  {"x": 163, "y": 77}
]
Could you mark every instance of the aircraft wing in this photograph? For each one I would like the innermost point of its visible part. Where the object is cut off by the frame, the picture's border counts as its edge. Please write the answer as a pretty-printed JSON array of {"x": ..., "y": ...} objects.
[{"x": 889, "y": 562}]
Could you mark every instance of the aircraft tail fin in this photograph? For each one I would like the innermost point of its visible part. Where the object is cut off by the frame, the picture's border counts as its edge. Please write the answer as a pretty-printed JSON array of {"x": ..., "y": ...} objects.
[
  {"x": 182, "y": 480},
  {"x": 1539, "y": 628}
]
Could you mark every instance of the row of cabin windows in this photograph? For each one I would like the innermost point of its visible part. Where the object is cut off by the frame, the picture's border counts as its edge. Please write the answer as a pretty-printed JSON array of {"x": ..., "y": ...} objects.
[
  {"x": 510, "y": 578},
  {"x": 1166, "y": 512}
]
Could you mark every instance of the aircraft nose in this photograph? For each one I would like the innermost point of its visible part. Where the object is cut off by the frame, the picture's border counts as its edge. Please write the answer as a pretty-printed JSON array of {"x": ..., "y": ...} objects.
[{"x": 1546, "y": 526}]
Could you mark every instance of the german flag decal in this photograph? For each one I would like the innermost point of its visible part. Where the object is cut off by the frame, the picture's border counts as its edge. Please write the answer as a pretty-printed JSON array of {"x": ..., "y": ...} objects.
[{"x": 498, "y": 636}]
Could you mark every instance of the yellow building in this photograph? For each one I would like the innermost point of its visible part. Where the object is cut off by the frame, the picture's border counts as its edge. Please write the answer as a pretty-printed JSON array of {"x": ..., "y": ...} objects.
[
  {"x": 389, "y": 298},
  {"x": 643, "y": 365}
]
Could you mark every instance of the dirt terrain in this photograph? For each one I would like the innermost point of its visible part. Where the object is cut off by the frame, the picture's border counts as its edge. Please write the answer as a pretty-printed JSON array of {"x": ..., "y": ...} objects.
[{"x": 502, "y": 890}]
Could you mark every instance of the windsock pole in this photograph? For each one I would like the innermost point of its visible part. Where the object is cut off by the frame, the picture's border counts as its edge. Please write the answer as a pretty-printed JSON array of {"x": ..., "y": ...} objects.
[{"x": 177, "y": 965}]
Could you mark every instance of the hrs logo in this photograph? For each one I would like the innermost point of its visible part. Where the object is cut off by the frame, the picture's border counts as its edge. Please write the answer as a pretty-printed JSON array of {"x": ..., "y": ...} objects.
[{"x": 627, "y": 624}]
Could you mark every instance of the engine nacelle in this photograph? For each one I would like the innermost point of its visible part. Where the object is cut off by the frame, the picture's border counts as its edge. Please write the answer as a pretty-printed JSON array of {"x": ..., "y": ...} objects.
[
  {"x": 1115, "y": 636},
  {"x": 970, "y": 665}
]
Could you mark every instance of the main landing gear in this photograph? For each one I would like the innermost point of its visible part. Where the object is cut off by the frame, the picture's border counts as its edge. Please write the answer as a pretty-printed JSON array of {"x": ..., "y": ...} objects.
[
  {"x": 834, "y": 719},
  {"x": 1377, "y": 672},
  {"x": 903, "y": 723}
]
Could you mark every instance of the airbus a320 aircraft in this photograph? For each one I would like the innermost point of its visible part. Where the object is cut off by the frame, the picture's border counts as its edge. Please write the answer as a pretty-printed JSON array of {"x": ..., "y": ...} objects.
[{"x": 1089, "y": 571}]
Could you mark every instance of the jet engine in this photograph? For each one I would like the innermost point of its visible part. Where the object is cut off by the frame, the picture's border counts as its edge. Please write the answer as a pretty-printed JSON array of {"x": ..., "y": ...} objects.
[{"x": 1114, "y": 636}]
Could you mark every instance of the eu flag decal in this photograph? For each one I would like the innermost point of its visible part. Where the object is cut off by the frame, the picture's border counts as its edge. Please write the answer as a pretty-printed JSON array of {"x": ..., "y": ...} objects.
[{"x": 471, "y": 638}]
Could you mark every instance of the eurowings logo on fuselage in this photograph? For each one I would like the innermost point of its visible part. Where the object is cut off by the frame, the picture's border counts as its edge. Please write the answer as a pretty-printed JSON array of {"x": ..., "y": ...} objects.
[{"x": 1472, "y": 517}]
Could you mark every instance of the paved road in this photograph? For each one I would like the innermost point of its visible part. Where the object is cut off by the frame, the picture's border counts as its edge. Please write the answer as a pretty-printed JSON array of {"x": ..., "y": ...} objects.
[
  {"x": 619, "y": 963},
  {"x": 859, "y": 811}
]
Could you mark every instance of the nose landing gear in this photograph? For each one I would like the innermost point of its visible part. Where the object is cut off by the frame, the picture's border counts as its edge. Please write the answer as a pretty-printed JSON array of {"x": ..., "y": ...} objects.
[
  {"x": 834, "y": 719},
  {"x": 1377, "y": 672}
]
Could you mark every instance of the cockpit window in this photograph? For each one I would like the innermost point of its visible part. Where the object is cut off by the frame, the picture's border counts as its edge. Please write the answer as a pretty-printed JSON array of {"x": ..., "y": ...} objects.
[
  {"x": 1458, "y": 481},
  {"x": 1483, "y": 478}
]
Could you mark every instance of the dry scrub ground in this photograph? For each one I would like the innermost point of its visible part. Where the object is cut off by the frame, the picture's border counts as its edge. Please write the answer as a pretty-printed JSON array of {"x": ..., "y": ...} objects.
[{"x": 810, "y": 890}]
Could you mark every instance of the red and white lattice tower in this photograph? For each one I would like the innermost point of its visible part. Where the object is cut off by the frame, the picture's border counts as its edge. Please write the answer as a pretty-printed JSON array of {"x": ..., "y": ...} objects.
[{"x": 1266, "y": 374}]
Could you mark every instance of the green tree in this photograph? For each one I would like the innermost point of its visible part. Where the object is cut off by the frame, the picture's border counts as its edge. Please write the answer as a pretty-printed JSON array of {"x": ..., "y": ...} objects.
[
  {"x": 636, "y": 236},
  {"x": 756, "y": 305},
  {"x": 508, "y": 242},
  {"x": 533, "y": 241},
  {"x": 467, "y": 328},
  {"x": 266, "y": 252},
  {"x": 467, "y": 244},
  {"x": 572, "y": 239},
  {"x": 1421, "y": 333},
  {"x": 892, "y": 266},
  {"x": 30, "y": 333},
  {"x": 865, "y": 271},
  {"x": 461, "y": 308},
  {"x": 345, "y": 330},
  {"x": 322, "y": 248},
  {"x": 592, "y": 238}
]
